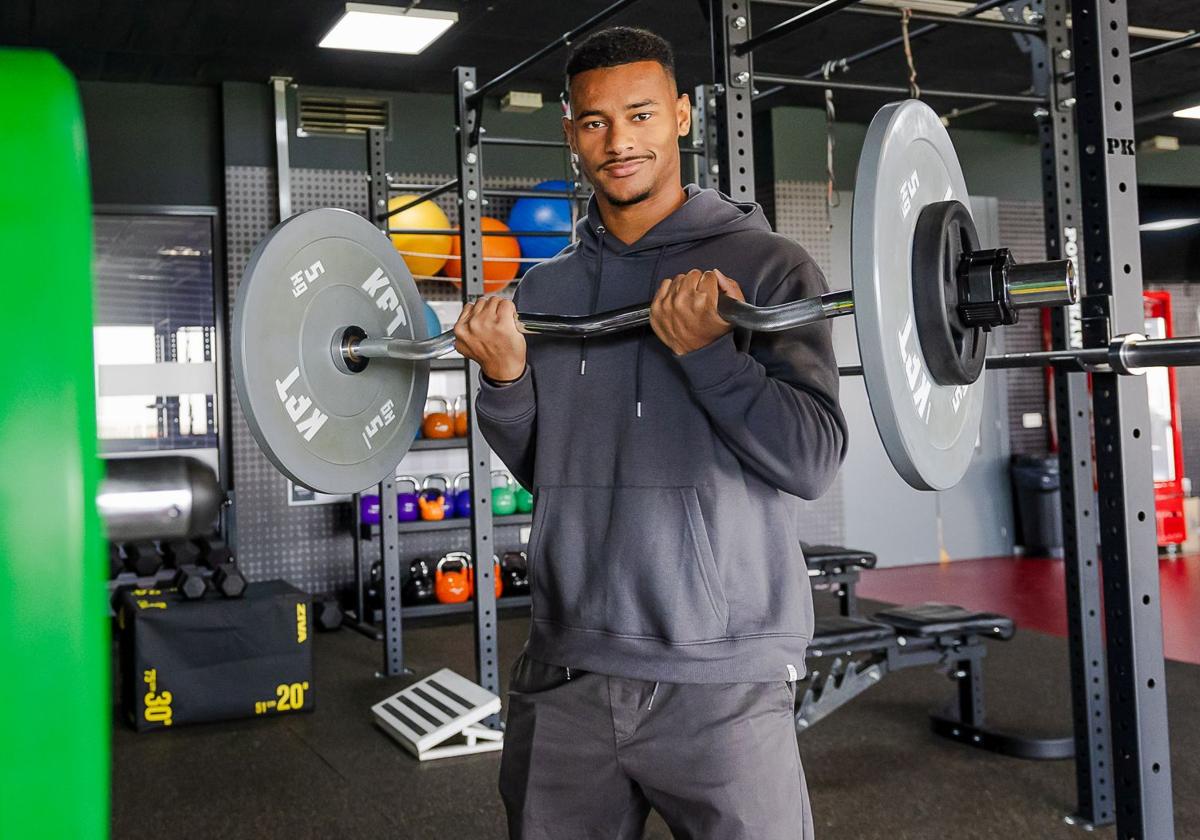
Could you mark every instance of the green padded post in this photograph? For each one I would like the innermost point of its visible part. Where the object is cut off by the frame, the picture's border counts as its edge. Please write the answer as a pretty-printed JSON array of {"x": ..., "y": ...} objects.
[{"x": 55, "y": 706}]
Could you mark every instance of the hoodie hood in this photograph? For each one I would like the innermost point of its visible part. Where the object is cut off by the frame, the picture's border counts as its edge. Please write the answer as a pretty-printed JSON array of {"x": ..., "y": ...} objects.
[{"x": 704, "y": 214}]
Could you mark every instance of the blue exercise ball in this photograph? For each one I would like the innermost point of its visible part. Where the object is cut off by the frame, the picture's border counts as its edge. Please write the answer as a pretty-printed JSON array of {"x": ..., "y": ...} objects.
[
  {"x": 542, "y": 214},
  {"x": 431, "y": 321}
]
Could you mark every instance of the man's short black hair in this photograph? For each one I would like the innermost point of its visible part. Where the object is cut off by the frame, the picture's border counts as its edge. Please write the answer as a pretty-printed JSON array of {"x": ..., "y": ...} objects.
[{"x": 619, "y": 45}]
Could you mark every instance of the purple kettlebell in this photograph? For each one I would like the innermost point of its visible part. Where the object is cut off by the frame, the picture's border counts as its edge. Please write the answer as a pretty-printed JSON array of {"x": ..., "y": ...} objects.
[
  {"x": 461, "y": 495},
  {"x": 406, "y": 503},
  {"x": 368, "y": 507}
]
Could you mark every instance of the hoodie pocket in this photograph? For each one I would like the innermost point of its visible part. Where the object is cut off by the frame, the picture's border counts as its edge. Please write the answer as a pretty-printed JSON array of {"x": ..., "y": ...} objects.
[{"x": 628, "y": 561}]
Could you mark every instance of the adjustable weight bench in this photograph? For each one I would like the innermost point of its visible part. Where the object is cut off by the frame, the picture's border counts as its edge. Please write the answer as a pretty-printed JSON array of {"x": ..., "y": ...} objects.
[
  {"x": 834, "y": 568},
  {"x": 862, "y": 651}
]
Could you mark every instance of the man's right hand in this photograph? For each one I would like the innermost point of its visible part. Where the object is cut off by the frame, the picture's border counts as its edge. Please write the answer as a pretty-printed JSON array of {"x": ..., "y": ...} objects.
[{"x": 486, "y": 333}]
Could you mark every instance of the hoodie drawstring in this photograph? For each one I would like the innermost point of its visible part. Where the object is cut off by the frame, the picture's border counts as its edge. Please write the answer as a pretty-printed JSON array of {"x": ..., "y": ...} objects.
[
  {"x": 583, "y": 344},
  {"x": 654, "y": 278},
  {"x": 597, "y": 277},
  {"x": 653, "y": 694}
]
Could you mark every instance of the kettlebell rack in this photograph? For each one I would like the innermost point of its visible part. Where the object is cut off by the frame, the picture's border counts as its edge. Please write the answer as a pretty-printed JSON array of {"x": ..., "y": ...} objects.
[{"x": 367, "y": 533}]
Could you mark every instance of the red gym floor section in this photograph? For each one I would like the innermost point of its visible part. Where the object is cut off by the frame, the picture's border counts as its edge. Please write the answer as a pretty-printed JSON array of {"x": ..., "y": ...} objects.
[{"x": 1030, "y": 590}]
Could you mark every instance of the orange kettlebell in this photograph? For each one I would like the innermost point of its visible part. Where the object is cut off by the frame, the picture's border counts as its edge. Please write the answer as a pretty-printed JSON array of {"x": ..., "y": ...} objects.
[
  {"x": 451, "y": 581},
  {"x": 431, "y": 500},
  {"x": 437, "y": 424},
  {"x": 495, "y": 573},
  {"x": 460, "y": 416}
]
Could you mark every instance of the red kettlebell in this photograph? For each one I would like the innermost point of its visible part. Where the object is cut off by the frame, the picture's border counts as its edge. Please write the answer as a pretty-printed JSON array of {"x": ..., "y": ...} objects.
[
  {"x": 451, "y": 579},
  {"x": 460, "y": 417},
  {"x": 432, "y": 501},
  {"x": 437, "y": 425},
  {"x": 495, "y": 573}
]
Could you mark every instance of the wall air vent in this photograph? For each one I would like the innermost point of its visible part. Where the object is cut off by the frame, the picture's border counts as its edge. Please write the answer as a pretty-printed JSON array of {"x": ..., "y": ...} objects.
[{"x": 340, "y": 115}]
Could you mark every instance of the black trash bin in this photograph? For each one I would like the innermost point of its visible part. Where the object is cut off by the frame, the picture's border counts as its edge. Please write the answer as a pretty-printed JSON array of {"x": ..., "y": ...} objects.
[{"x": 1038, "y": 504}]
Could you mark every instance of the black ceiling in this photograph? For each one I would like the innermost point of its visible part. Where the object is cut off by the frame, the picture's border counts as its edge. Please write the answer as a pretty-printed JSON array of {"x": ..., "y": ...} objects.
[{"x": 210, "y": 41}]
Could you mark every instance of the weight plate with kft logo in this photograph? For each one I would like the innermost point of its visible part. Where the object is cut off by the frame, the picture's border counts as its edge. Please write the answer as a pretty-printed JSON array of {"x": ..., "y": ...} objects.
[
  {"x": 929, "y": 430},
  {"x": 322, "y": 426}
]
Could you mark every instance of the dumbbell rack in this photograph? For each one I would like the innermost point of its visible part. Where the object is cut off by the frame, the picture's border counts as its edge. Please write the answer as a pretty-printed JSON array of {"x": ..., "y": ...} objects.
[{"x": 164, "y": 577}]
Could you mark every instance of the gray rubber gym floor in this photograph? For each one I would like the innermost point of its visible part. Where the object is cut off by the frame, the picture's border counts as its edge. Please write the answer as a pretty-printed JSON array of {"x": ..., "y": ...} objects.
[{"x": 874, "y": 769}]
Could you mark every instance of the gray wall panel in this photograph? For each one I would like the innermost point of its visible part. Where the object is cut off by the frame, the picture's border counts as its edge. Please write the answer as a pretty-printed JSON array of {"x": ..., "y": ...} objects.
[{"x": 153, "y": 144}]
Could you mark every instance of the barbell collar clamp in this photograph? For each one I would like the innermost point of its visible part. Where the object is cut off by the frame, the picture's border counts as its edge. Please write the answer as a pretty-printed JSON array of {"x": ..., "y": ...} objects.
[
  {"x": 993, "y": 288},
  {"x": 1120, "y": 349}
]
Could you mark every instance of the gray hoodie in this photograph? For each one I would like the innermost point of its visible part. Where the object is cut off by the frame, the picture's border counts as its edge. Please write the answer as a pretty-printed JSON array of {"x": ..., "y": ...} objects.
[{"x": 663, "y": 545}]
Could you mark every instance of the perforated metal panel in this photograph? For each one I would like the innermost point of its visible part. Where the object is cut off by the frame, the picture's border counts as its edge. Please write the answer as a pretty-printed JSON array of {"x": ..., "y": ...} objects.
[
  {"x": 800, "y": 215},
  {"x": 309, "y": 547},
  {"x": 313, "y": 188},
  {"x": 1022, "y": 230}
]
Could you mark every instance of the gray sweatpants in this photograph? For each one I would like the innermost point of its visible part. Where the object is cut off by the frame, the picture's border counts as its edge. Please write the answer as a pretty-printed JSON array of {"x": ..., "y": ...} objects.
[{"x": 588, "y": 756}]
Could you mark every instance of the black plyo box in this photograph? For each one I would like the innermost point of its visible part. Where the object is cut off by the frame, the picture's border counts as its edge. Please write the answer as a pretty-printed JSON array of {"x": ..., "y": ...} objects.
[{"x": 216, "y": 658}]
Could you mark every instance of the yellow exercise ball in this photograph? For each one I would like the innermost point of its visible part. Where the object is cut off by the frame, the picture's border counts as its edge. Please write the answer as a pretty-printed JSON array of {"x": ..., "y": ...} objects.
[{"x": 423, "y": 216}]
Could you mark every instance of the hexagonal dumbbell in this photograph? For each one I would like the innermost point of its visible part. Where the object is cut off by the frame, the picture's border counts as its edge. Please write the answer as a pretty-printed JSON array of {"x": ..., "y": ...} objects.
[
  {"x": 190, "y": 582},
  {"x": 142, "y": 558},
  {"x": 227, "y": 579},
  {"x": 327, "y": 614},
  {"x": 180, "y": 553},
  {"x": 213, "y": 551},
  {"x": 217, "y": 556}
]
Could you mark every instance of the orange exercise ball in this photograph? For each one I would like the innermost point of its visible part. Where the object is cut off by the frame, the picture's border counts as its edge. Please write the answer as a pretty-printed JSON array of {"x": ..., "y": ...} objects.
[
  {"x": 423, "y": 216},
  {"x": 496, "y": 274}
]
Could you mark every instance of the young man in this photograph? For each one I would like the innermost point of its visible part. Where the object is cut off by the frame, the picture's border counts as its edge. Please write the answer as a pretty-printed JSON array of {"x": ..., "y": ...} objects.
[{"x": 671, "y": 606}]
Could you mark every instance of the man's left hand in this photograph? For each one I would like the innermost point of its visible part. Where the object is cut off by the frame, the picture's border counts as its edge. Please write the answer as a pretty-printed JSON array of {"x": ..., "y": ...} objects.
[{"x": 684, "y": 311}]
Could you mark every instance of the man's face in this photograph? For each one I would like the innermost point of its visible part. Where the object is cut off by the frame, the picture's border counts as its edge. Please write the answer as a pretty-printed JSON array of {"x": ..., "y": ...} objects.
[{"x": 625, "y": 126}]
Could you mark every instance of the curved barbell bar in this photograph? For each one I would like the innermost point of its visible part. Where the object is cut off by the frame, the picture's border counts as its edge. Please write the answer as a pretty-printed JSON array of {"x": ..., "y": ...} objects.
[{"x": 1027, "y": 286}]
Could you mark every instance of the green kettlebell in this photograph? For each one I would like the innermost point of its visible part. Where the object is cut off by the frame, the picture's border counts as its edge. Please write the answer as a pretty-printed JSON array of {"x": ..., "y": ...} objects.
[
  {"x": 524, "y": 500},
  {"x": 504, "y": 498}
]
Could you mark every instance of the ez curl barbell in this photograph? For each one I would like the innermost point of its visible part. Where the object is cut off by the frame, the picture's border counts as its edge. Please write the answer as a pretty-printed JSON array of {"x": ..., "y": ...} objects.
[{"x": 331, "y": 356}]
